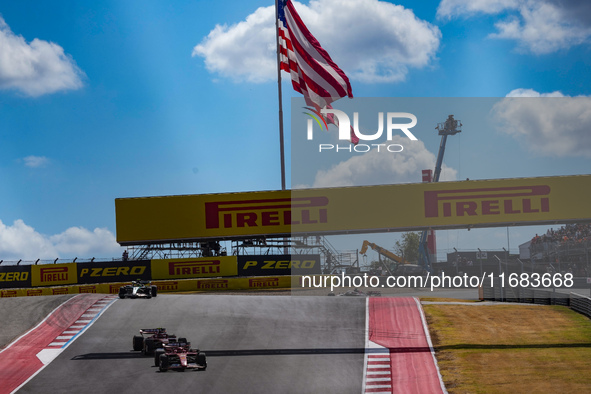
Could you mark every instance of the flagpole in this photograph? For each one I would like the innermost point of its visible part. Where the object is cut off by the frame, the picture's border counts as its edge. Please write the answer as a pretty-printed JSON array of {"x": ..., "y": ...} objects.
[{"x": 281, "y": 139}]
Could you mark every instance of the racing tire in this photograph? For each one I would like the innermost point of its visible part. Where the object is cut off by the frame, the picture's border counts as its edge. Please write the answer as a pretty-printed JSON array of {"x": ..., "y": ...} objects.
[
  {"x": 163, "y": 367},
  {"x": 122, "y": 292},
  {"x": 202, "y": 360},
  {"x": 154, "y": 290},
  {"x": 138, "y": 343},
  {"x": 182, "y": 340},
  {"x": 149, "y": 347},
  {"x": 157, "y": 354}
]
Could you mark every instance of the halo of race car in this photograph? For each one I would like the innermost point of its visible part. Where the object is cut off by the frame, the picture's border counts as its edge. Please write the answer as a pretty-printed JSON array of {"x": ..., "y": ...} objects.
[{"x": 169, "y": 352}]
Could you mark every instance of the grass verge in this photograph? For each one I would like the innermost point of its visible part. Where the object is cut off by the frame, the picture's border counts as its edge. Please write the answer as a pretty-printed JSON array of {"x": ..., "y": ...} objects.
[{"x": 511, "y": 348}]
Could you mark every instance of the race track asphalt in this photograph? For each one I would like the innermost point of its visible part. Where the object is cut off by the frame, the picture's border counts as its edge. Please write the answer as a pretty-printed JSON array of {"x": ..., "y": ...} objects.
[
  {"x": 19, "y": 314},
  {"x": 254, "y": 344}
]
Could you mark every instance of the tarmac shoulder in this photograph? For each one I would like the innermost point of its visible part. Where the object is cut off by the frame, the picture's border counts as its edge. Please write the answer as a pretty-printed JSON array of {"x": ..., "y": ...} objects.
[{"x": 20, "y": 314}]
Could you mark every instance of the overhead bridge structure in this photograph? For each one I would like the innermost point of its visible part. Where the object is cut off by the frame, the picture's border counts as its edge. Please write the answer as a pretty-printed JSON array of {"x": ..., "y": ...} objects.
[{"x": 280, "y": 218}]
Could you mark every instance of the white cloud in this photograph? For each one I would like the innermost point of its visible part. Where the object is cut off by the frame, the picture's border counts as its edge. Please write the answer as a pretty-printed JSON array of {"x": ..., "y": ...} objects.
[
  {"x": 372, "y": 41},
  {"x": 550, "y": 124},
  {"x": 532, "y": 93},
  {"x": 538, "y": 26},
  {"x": 36, "y": 161},
  {"x": 382, "y": 168},
  {"x": 21, "y": 241},
  {"x": 35, "y": 68},
  {"x": 80, "y": 242},
  {"x": 452, "y": 8}
]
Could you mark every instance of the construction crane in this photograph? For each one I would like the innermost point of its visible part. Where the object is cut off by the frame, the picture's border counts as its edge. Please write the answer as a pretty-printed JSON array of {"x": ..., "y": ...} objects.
[
  {"x": 382, "y": 252},
  {"x": 451, "y": 126}
]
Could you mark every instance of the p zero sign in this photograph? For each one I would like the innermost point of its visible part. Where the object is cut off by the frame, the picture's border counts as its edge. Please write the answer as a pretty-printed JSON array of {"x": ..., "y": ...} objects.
[
  {"x": 15, "y": 276},
  {"x": 205, "y": 267},
  {"x": 270, "y": 265},
  {"x": 119, "y": 271},
  {"x": 404, "y": 207}
]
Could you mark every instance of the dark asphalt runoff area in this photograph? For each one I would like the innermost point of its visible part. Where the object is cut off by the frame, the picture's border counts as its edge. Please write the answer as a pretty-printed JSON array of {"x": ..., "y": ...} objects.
[
  {"x": 254, "y": 344},
  {"x": 20, "y": 314}
]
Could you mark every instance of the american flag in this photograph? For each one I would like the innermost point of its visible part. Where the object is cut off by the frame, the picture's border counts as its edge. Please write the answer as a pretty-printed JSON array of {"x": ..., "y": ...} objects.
[{"x": 313, "y": 72}]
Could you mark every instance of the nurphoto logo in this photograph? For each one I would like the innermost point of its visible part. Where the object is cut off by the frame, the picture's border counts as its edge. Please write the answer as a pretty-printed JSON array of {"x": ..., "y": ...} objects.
[{"x": 342, "y": 121}]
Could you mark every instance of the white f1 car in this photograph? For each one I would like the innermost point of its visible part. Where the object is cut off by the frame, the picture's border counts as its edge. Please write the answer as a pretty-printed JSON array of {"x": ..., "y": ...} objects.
[{"x": 138, "y": 289}]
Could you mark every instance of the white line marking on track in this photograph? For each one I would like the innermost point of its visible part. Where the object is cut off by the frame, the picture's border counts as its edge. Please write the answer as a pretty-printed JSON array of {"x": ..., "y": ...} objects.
[
  {"x": 60, "y": 344},
  {"x": 426, "y": 330},
  {"x": 379, "y": 380},
  {"x": 47, "y": 355}
]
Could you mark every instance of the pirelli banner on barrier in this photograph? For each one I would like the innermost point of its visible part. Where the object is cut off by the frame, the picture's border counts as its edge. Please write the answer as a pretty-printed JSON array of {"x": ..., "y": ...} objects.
[
  {"x": 116, "y": 271},
  {"x": 404, "y": 207},
  {"x": 53, "y": 274},
  {"x": 204, "y": 267},
  {"x": 15, "y": 276},
  {"x": 284, "y": 264}
]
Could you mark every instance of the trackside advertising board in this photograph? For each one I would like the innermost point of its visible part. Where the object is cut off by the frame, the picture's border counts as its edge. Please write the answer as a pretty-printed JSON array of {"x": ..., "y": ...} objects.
[
  {"x": 164, "y": 286},
  {"x": 53, "y": 274},
  {"x": 14, "y": 276},
  {"x": 487, "y": 203},
  {"x": 116, "y": 271},
  {"x": 285, "y": 264},
  {"x": 204, "y": 267}
]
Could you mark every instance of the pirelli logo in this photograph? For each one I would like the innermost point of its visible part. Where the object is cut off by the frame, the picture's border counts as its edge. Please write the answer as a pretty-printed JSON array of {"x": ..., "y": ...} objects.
[
  {"x": 53, "y": 274},
  {"x": 8, "y": 293},
  {"x": 487, "y": 201},
  {"x": 167, "y": 286},
  {"x": 87, "y": 289},
  {"x": 263, "y": 282},
  {"x": 196, "y": 267},
  {"x": 60, "y": 290},
  {"x": 266, "y": 212},
  {"x": 34, "y": 292},
  {"x": 215, "y": 284},
  {"x": 114, "y": 289}
]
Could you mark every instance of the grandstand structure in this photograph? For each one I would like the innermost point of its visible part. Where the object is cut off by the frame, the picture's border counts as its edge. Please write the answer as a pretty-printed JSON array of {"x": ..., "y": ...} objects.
[{"x": 564, "y": 250}]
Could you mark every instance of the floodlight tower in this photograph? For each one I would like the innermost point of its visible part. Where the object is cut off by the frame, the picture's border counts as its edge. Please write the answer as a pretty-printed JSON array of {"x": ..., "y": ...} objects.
[{"x": 451, "y": 126}]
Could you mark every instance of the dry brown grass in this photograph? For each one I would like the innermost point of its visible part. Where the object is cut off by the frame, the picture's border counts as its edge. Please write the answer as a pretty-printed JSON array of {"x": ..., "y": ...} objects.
[
  {"x": 443, "y": 299},
  {"x": 511, "y": 348}
]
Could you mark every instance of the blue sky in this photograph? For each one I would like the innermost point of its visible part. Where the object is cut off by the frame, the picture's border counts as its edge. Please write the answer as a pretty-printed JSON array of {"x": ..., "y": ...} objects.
[{"x": 108, "y": 99}]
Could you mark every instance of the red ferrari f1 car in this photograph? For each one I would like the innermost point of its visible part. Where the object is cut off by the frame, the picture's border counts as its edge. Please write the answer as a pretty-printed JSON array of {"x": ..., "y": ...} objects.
[
  {"x": 156, "y": 338},
  {"x": 179, "y": 356}
]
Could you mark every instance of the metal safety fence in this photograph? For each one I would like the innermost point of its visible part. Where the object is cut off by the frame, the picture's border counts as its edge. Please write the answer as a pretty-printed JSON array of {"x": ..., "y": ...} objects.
[{"x": 574, "y": 301}]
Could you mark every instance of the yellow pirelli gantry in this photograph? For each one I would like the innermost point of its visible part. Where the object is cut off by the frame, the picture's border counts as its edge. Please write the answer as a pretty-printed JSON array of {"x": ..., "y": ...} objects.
[{"x": 403, "y": 207}]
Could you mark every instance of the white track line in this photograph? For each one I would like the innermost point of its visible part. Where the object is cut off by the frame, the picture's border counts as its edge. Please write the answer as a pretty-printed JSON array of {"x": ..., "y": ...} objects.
[
  {"x": 426, "y": 329},
  {"x": 48, "y": 355}
]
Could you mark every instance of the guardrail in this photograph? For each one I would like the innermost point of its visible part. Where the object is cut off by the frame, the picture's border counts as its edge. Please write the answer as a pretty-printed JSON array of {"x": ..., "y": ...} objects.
[
  {"x": 581, "y": 304},
  {"x": 4, "y": 263},
  {"x": 574, "y": 301}
]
